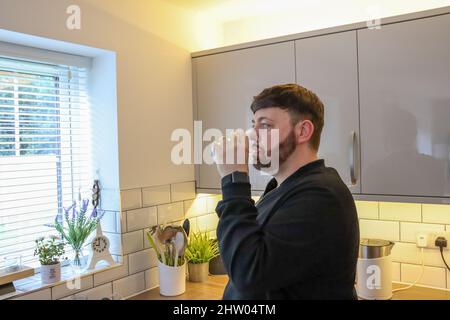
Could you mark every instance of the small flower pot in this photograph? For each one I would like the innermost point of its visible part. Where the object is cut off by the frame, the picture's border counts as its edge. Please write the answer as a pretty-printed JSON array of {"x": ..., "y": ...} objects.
[
  {"x": 51, "y": 273},
  {"x": 216, "y": 266},
  {"x": 198, "y": 272},
  {"x": 172, "y": 280}
]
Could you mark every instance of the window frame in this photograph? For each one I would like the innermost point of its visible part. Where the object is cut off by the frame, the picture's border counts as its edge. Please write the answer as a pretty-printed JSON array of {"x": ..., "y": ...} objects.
[{"x": 42, "y": 56}]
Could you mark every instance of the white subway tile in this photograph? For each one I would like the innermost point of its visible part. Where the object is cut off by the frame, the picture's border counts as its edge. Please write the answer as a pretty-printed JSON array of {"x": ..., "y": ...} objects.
[
  {"x": 132, "y": 241},
  {"x": 375, "y": 229},
  {"x": 432, "y": 276},
  {"x": 130, "y": 285},
  {"x": 97, "y": 293},
  {"x": 213, "y": 234},
  {"x": 122, "y": 222},
  {"x": 153, "y": 196},
  {"x": 410, "y": 230},
  {"x": 396, "y": 271},
  {"x": 141, "y": 218},
  {"x": 131, "y": 199},
  {"x": 142, "y": 260},
  {"x": 146, "y": 242},
  {"x": 202, "y": 195},
  {"x": 433, "y": 257},
  {"x": 207, "y": 222},
  {"x": 113, "y": 273},
  {"x": 71, "y": 287},
  {"x": 168, "y": 213},
  {"x": 195, "y": 207},
  {"x": 401, "y": 211},
  {"x": 406, "y": 253},
  {"x": 212, "y": 201},
  {"x": 409, "y": 253},
  {"x": 38, "y": 295},
  {"x": 193, "y": 224},
  {"x": 436, "y": 213},
  {"x": 182, "y": 191},
  {"x": 151, "y": 278},
  {"x": 256, "y": 198},
  {"x": 367, "y": 209}
]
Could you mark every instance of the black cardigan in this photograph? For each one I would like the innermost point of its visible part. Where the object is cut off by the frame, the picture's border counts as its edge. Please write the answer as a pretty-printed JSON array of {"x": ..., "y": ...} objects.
[{"x": 300, "y": 241}]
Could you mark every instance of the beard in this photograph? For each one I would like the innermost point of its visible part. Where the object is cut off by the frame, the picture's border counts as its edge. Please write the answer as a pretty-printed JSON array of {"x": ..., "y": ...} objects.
[{"x": 286, "y": 148}]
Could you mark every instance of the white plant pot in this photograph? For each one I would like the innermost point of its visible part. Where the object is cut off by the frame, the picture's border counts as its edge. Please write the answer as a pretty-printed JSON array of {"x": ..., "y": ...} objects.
[
  {"x": 51, "y": 273},
  {"x": 172, "y": 280}
]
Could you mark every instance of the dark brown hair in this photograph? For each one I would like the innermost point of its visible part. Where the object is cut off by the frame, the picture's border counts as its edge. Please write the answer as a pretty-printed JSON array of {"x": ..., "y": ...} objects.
[{"x": 301, "y": 104}]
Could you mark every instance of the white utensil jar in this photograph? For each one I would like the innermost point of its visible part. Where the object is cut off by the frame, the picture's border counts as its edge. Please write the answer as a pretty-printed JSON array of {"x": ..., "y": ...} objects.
[{"x": 172, "y": 280}]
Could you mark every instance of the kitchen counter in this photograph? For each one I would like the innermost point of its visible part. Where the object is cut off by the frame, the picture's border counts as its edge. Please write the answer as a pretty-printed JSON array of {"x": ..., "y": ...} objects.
[
  {"x": 209, "y": 290},
  {"x": 213, "y": 290},
  {"x": 419, "y": 293}
]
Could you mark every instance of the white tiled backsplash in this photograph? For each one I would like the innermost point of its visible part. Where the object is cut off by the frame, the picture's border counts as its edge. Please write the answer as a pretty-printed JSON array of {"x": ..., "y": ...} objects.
[
  {"x": 142, "y": 208},
  {"x": 148, "y": 206},
  {"x": 400, "y": 222}
]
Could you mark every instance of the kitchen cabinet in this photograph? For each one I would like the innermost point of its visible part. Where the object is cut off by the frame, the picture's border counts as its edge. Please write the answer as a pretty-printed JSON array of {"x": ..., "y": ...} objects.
[
  {"x": 404, "y": 72},
  {"x": 327, "y": 65},
  {"x": 224, "y": 87}
]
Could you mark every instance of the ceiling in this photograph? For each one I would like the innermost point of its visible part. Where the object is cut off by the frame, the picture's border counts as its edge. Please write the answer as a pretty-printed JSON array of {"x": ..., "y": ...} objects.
[{"x": 197, "y": 4}]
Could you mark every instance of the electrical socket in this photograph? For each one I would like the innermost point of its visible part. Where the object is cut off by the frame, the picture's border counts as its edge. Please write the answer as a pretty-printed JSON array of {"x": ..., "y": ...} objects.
[
  {"x": 422, "y": 240},
  {"x": 427, "y": 239}
]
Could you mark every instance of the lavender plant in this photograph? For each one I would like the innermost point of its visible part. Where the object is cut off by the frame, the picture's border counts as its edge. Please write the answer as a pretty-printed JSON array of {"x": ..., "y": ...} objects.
[{"x": 76, "y": 226}]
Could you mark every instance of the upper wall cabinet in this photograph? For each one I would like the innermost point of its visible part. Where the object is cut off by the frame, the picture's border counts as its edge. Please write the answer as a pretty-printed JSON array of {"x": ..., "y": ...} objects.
[
  {"x": 327, "y": 65},
  {"x": 224, "y": 87},
  {"x": 404, "y": 73}
]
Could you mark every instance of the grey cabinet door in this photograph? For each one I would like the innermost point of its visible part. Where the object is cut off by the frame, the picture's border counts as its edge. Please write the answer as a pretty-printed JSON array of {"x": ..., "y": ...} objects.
[
  {"x": 327, "y": 65},
  {"x": 225, "y": 86},
  {"x": 404, "y": 73}
]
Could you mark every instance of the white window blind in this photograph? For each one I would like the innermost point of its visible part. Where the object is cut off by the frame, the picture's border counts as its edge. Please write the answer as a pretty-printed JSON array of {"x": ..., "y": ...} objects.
[{"x": 44, "y": 149}]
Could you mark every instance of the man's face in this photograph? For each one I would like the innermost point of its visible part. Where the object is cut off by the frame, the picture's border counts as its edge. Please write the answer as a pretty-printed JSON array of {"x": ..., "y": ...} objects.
[{"x": 264, "y": 122}]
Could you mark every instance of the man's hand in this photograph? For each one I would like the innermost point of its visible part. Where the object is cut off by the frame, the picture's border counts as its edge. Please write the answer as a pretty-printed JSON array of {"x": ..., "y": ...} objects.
[{"x": 231, "y": 153}]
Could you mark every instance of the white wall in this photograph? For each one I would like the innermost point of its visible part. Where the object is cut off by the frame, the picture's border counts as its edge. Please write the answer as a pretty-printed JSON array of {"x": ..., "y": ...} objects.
[{"x": 153, "y": 73}]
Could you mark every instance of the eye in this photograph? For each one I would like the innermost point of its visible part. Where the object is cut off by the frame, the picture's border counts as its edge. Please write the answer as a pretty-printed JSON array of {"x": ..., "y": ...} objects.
[{"x": 265, "y": 125}]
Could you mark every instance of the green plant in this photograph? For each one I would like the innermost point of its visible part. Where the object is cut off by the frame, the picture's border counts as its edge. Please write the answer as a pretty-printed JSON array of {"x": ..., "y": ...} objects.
[
  {"x": 49, "y": 250},
  {"x": 76, "y": 226},
  {"x": 201, "y": 248}
]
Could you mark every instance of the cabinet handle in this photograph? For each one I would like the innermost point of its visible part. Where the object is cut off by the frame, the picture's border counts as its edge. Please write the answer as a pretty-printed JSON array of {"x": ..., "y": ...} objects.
[{"x": 352, "y": 157}]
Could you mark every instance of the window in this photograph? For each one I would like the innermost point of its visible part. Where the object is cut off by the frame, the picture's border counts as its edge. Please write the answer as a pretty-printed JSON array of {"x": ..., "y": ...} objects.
[{"x": 44, "y": 149}]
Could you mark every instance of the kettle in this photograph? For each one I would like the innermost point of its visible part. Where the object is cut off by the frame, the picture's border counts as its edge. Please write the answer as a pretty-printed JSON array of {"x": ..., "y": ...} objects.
[{"x": 374, "y": 269}]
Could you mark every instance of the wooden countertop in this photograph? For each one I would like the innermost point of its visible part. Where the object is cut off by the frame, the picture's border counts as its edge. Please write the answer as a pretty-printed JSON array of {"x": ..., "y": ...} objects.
[
  {"x": 419, "y": 293},
  {"x": 209, "y": 290},
  {"x": 213, "y": 290}
]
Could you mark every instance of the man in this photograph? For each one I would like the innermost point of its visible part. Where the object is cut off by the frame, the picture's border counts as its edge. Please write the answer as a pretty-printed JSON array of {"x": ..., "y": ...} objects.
[{"x": 300, "y": 241}]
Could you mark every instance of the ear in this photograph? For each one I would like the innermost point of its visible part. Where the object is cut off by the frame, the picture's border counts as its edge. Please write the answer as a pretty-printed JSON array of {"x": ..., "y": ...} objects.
[{"x": 303, "y": 131}]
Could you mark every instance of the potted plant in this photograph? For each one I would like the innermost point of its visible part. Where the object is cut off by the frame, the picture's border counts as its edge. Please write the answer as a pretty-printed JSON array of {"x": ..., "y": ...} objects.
[
  {"x": 75, "y": 228},
  {"x": 49, "y": 252},
  {"x": 216, "y": 266},
  {"x": 169, "y": 244},
  {"x": 199, "y": 252}
]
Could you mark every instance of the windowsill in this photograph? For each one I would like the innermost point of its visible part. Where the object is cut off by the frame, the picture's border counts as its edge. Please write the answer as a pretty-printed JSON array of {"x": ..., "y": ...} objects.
[{"x": 33, "y": 283}]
